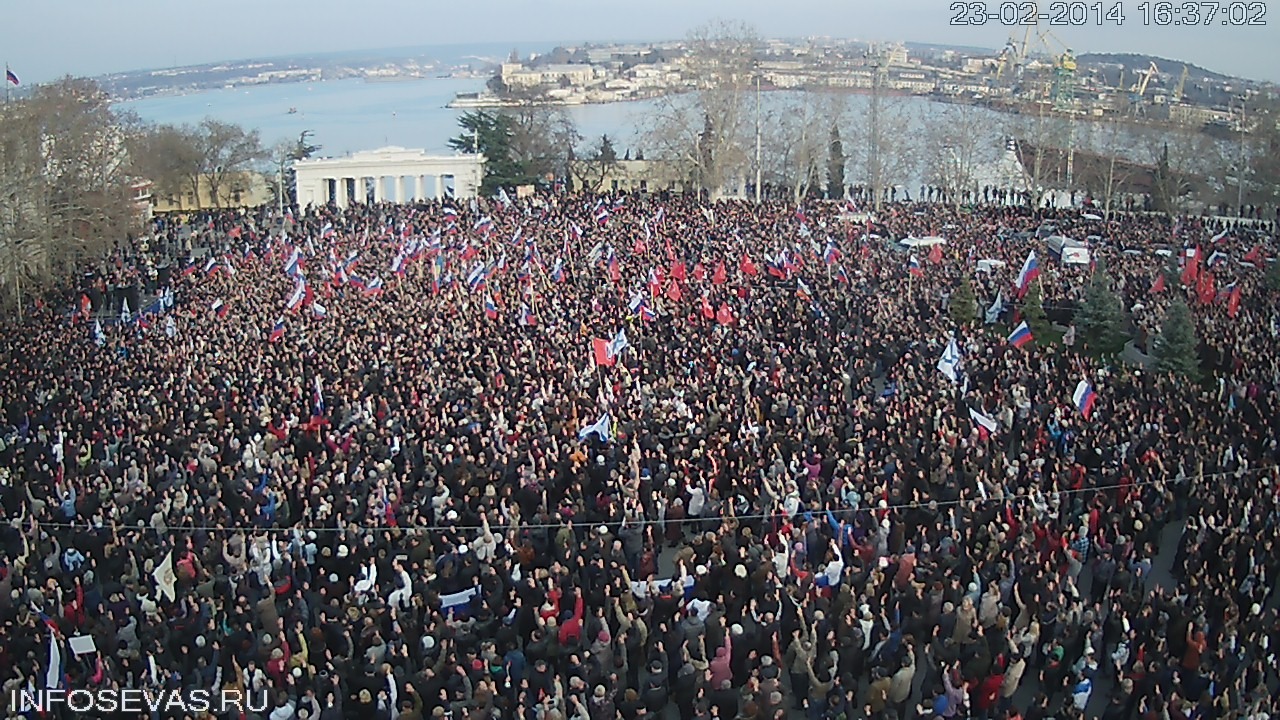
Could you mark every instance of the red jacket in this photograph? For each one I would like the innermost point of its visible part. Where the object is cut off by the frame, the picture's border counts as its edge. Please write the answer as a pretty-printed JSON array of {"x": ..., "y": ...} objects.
[{"x": 989, "y": 692}]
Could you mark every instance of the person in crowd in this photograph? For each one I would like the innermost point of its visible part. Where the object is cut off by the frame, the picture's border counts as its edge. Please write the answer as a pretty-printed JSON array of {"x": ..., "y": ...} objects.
[{"x": 642, "y": 457}]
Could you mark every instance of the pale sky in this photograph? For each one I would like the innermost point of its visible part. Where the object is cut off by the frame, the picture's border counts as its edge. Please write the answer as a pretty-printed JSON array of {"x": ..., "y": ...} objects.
[{"x": 43, "y": 41}]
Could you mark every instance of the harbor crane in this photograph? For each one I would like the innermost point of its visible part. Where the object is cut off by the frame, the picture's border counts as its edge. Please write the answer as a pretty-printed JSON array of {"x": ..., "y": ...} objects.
[{"x": 1140, "y": 87}]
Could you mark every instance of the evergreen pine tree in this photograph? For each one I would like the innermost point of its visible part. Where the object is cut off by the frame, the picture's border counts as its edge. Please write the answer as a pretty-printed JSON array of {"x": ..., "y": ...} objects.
[
  {"x": 1032, "y": 309},
  {"x": 1101, "y": 318},
  {"x": 964, "y": 306},
  {"x": 1177, "y": 348}
]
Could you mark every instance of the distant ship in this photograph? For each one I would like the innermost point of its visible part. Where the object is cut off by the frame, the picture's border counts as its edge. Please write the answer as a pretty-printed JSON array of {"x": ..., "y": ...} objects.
[{"x": 292, "y": 111}]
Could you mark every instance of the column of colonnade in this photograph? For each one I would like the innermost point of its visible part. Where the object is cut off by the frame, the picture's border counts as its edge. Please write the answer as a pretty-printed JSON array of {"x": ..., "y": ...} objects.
[{"x": 386, "y": 188}]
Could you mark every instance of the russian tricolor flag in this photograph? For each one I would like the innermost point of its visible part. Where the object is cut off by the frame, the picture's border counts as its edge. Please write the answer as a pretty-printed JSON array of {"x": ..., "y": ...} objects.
[
  {"x": 477, "y": 277},
  {"x": 526, "y": 316},
  {"x": 211, "y": 266},
  {"x": 277, "y": 331},
  {"x": 317, "y": 398},
  {"x": 832, "y": 254},
  {"x": 219, "y": 308},
  {"x": 1030, "y": 271},
  {"x": 1021, "y": 335},
  {"x": 327, "y": 230},
  {"x": 490, "y": 310},
  {"x": 374, "y": 287},
  {"x": 913, "y": 267},
  {"x": 1084, "y": 398},
  {"x": 293, "y": 266},
  {"x": 557, "y": 272},
  {"x": 298, "y": 296}
]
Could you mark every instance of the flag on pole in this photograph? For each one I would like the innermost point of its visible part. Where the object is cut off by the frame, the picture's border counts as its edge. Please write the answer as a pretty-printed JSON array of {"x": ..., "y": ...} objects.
[
  {"x": 1030, "y": 271},
  {"x": 8, "y": 75},
  {"x": 600, "y": 353},
  {"x": 1021, "y": 335},
  {"x": 1233, "y": 300},
  {"x": 618, "y": 344},
  {"x": 125, "y": 315},
  {"x": 1158, "y": 286},
  {"x": 913, "y": 267},
  {"x": 949, "y": 363},
  {"x": 99, "y": 337},
  {"x": 986, "y": 425},
  {"x": 277, "y": 331},
  {"x": 1084, "y": 398},
  {"x": 317, "y": 397},
  {"x": 997, "y": 307},
  {"x": 601, "y": 428}
]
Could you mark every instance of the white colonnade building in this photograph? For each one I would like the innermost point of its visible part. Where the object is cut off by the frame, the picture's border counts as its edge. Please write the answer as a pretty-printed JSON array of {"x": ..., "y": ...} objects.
[{"x": 390, "y": 174}]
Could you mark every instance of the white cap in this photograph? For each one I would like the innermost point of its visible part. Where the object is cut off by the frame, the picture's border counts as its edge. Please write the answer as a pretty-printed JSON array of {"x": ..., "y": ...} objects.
[{"x": 462, "y": 549}]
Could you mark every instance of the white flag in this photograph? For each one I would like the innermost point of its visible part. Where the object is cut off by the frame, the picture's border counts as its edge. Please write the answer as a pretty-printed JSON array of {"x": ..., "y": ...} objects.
[
  {"x": 166, "y": 579},
  {"x": 987, "y": 422},
  {"x": 949, "y": 363},
  {"x": 53, "y": 675},
  {"x": 997, "y": 307},
  {"x": 170, "y": 327},
  {"x": 125, "y": 315}
]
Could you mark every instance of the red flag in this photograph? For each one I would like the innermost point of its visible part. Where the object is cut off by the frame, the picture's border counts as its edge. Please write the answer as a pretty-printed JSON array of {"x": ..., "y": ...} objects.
[
  {"x": 1191, "y": 266},
  {"x": 678, "y": 271},
  {"x": 724, "y": 315},
  {"x": 673, "y": 291},
  {"x": 720, "y": 275},
  {"x": 615, "y": 274},
  {"x": 1158, "y": 285},
  {"x": 1233, "y": 301},
  {"x": 1254, "y": 255},
  {"x": 639, "y": 248},
  {"x": 935, "y": 254},
  {"x": 747, "y": 267},
  {"x": 1206, "y": 290},
  {"x": 707, "y": 311},
  {"x": 600, "y": 349}
]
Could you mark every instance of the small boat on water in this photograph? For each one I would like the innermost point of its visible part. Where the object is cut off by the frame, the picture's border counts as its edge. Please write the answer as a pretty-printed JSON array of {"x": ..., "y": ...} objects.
[{"x": 292, "y": 111}]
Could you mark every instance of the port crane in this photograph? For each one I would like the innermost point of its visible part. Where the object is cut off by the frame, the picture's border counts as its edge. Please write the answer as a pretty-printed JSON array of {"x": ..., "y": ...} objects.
[
  {"x": 1140, "y": 87},
  {"x": 1182, "y": 85}
]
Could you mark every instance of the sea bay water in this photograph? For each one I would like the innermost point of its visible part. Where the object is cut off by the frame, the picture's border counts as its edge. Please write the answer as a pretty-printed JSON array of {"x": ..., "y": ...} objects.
[{"x": 351, "y": 115}]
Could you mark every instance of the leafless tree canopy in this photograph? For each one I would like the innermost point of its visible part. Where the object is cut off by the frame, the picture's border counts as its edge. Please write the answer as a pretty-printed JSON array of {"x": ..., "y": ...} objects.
[
  {"x": 66, "y": 188},
  {"x": 708, "y": 128},
  {"x": 953, "y": 139}
]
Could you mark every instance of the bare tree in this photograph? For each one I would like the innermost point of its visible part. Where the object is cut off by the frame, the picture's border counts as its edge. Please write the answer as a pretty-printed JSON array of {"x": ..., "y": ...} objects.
[
  {"x": 226, "y": 150},
  {"x": 1111, "y": 170},
  {"x": 953, "y": 141},
  {"x": 599, "y": 162},
  {"x": 796, "y": 136},
  {"x": 170, "y": 157},
  {"x": 884, "y": 152},
  {"x": 66, "y": 189},
  {"x": 1182, "y": 159},
  {"x": 541, "y": 138},
  {"x": 1045, "y": 162},
  {"x": 707, "y": 127}
]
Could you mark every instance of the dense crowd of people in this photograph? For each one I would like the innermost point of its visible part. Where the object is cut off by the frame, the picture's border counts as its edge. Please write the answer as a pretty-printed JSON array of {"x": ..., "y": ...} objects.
[{"x": 640, "y": 458}]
